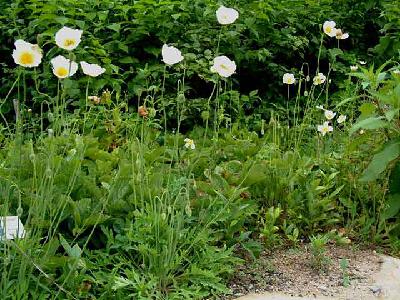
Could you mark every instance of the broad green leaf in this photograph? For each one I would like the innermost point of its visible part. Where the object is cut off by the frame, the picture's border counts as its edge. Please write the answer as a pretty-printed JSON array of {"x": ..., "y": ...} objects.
[
  {"x": 367, "y": 109},
  {"x": 391, "y": 114},
  {"x": 116, "y": 27},
  {"x": 379, "y": 162},
  {"x": 393, "y": 206},
  {"x": 335, "y": 52},
  {"x": 255, "y": 175},
  {"x": 381, "y": 76},
  {"x": 370, "y": 123}
]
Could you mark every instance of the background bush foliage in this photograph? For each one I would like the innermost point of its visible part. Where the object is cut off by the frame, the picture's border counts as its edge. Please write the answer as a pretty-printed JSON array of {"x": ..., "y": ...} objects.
[{"x": 270, "y": 38}]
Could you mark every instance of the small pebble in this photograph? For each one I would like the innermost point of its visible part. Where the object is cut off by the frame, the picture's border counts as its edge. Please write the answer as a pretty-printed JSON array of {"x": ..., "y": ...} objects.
[{"x": 375, "y": 289}]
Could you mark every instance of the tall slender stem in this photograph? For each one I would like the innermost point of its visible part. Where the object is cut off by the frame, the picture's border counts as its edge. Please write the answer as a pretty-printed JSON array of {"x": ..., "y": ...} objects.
[
  {"x": 162, "y": 102},
  {"x": 208, "y": 111},
  {"x": 319, "y": 52},
  {"x": 86, "y": 104}
]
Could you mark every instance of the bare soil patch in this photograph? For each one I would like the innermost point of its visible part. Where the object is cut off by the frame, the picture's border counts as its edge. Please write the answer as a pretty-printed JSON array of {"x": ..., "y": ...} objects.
[{"x": 290, "y": 271}]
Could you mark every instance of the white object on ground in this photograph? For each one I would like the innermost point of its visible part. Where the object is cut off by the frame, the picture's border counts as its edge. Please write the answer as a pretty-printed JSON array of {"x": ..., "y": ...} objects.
[{"x": 11, "y": 227}]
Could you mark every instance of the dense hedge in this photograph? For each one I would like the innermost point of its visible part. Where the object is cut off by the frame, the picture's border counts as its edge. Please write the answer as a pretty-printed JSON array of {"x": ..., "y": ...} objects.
[{"x": 125, "y": 36}]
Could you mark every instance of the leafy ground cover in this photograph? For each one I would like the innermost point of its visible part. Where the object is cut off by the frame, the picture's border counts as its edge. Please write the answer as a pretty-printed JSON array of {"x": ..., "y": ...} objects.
[{"x": 150, "y": 148}]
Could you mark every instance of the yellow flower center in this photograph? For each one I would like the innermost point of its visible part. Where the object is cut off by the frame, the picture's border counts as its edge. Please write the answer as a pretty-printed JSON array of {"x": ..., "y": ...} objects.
[
  {"x": 69, "y": 42},
  {"x": 26, "y": 58},
  {"x": 328, "y": 29},
  {"x": 62, "y": 72},
  {"x": 225, "y": 67}
]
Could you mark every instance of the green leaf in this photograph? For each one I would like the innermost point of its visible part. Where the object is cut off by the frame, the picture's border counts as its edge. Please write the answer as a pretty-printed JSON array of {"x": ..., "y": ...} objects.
[
  {"x": 380, "y": 161},
  {"x": 116, "y": 27},
  {"x": 391, "y": 114},
  {"x": 394, "y": 180},
  {"x": 255, "y": 175},
  {"x": 381, "y": 76},
  {"x": 127, "y": 60},
  {"x": 335, "y": 52},
  {"x": 253, "y": 247},
  {"x": 370, "y": 123},
  {"x": 345, "y": 101},
  {"x": 393, "y": 207},
  {"x": 367, "y": 109}
]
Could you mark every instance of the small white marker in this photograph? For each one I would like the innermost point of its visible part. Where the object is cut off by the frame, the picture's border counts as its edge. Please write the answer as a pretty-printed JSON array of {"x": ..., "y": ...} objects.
[{"x": 11, "y": 227}]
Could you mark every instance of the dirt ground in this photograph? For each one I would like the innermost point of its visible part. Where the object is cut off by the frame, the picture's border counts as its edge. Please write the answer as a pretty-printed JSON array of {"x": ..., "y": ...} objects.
[{"x": 291, "y": 271}]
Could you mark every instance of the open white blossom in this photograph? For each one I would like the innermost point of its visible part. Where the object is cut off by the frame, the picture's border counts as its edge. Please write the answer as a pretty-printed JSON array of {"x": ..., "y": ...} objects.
[
  {"x": 319, "y": 79},
  {"x": 68, "y": 38},
  {"x": 329, "y": 115},
  {"x": 288, "y": 78},
  {"x": 189, "y": 144},
  {"x": 226, "y": 15},
  {"x": 340, "y": 35},
  {"x": 341, "y": 119},
  {"x": 320, "y": 107},
  {"x": 63, "y": 67},
  {"x": 223, "y": 66},
  {"x": 325, "y": 128},
  {"x": 353, "y": 68},
  {"x": 362, "y": 62},
  {"x": 92, "y": 70},
  {"x": 329, "y": 28},
  {"x": 171, "y": 55},
  {"x": 26, "y": 54}
]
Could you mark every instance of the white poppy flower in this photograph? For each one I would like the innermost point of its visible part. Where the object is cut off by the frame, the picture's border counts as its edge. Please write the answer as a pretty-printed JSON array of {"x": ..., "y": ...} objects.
[
  {"x": 226, "y": 15},
  {"x": 68, "y": 38},
  {"x": 396, "y": 72},
  {"x": 362, "y": 62},
  {"x": 223, "y": 66},
  {"x": 26, "y": 54},
  {"x": 329, "y": 115},
  {"x": 189, "y": 144},
  {"x": 353, "y": 68},
  {"x": 63, "y": 67},
  {"x": 340, "y": 35},
  {"x": 94, "y": 99},
  {"x": 341, "y": 119},
  {"x": 329, "y": 28},
  {"x": 319, "y": 79},
  {"x": 288, "y": 78},
  {"x": 171, "y": 55},
  {"x": 320, "y": 107},
  {"x": 325, "y": 128},
  {"x": 92, "y": 70}
]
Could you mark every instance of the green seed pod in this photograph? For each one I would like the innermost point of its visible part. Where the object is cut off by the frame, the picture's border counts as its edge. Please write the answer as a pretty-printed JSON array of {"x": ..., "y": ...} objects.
[
  {"x": 205, "y": 115},
  {"x": 19, "y": 211}
]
